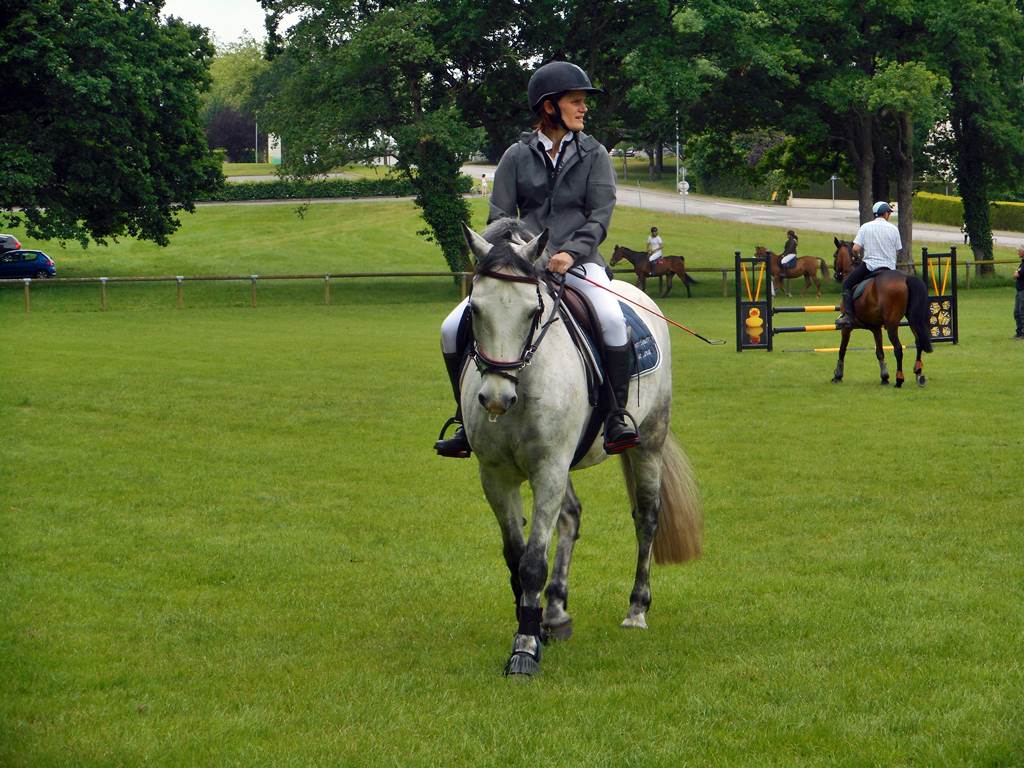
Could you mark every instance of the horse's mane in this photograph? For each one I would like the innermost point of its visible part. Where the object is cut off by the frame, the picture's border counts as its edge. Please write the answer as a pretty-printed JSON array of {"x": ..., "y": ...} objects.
[{"x": 503, "y": 233}]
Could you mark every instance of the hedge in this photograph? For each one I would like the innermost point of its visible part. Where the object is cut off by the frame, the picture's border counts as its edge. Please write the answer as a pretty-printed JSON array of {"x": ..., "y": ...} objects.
[
  {"x": 946, "y": 209},
  {"x": 325, "y": 188}
]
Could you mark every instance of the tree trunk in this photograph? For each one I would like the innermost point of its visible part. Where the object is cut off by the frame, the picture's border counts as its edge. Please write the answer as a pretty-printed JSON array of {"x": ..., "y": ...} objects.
[
  {"x": 659, "y": 158},
  {"x": 863, "y": 152},
  {"x": 905, "y": 187},
  {"x": 970, "y": 173},
  {"x": 652, "y": 171},
  {"x": 880, "y": 171}
]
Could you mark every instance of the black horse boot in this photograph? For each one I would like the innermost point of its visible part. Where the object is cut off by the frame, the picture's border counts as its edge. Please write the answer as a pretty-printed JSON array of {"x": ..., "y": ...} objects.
[
  {"x": 456, "y": 446},
  {"x": 845, "y": 320},
  {"x": 619, "y": 435}
]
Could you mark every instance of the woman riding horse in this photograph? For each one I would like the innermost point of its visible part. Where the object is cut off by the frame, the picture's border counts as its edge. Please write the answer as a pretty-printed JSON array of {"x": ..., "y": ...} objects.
[{"x": 558, "y": 178}]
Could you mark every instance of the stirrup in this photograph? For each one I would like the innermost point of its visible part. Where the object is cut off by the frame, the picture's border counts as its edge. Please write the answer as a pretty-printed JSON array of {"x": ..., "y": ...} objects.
[
  {"x": 623, "y": 443},
  {"x": 455, "y": 447},
  {"x": 845, "y": 320}
]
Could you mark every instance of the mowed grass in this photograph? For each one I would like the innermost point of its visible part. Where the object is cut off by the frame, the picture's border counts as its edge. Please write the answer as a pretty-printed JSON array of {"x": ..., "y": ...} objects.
[
  {"x": 227, "y": 541},
  {"x": 380, "y": 236}
]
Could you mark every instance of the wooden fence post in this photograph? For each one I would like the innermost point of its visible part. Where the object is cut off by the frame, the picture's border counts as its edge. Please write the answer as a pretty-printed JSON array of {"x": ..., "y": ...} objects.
[
  {"x": 28, "y": 298},
  {"x": 181, "y": 297},
  {"x": 103, "y": 294},
  {"x": 725, "y": 283},
  {"x": 327, "y": 289},
  {"x": 252, "y": 292}
]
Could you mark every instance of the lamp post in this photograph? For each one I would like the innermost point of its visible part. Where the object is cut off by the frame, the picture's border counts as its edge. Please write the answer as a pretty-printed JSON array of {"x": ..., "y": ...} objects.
[{"x": 834, "y": 179}]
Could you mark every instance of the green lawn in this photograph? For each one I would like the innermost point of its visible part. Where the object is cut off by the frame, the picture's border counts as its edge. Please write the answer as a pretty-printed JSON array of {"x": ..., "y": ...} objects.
[
  {"x": 381, "y": 236},
  {"x": 227, "y": 542}
]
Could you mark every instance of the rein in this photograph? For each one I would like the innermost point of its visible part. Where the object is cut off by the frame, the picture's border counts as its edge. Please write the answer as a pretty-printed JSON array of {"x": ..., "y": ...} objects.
[
  {"x": 509, "y": 368},
  {"x": 713, "y": 342}
]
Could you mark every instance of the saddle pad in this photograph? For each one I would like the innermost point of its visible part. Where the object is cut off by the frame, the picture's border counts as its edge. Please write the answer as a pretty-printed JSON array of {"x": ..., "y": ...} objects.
[
  {"x": 647, "y": 353},
  {"x": 861, "y": 287}
]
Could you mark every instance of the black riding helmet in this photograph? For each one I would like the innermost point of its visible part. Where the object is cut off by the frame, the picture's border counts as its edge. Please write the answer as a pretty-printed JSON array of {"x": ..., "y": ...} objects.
[{"x": 554, "y": 78}]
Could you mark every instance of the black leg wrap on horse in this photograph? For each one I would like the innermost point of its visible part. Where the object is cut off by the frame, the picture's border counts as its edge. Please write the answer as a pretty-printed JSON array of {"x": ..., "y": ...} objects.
[{"x": 529, "y": 621}]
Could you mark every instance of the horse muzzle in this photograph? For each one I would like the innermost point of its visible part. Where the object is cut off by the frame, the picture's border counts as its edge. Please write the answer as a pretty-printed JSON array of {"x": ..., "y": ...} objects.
[{"x": 497, "y": 396}]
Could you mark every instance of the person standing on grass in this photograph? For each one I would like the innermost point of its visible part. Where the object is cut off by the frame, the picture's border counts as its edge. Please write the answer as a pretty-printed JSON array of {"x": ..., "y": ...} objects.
[
  {"x": 483, "y": 184},
  {"x": 558, "y": 178},
  {"x": 1018, "y": 304},
  {"x": 654, "y": 247}
]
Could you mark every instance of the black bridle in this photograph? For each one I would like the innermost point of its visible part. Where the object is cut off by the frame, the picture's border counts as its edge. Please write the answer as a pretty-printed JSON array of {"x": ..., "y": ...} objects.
[{"x": 509, "y": 368}]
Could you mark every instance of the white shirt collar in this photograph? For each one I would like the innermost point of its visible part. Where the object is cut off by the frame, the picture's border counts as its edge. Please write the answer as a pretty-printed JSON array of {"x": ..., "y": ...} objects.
[{"x": 547, "y": 143}]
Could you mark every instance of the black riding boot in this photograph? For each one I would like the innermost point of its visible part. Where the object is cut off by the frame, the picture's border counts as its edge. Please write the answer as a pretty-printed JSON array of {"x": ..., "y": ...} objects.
[
  {"x": 846, "y": 304},
  {"x": 456, "y": 446},
  {"x": 620, "y": 432}
]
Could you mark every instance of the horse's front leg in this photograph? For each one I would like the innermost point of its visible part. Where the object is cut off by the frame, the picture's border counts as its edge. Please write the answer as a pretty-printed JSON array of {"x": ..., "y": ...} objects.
[
  {"x": 502, "y": 492},
  {"x": 883, "y": 369},
  {"x": 668, "y": 286},
  {"x": 837, "y": 375},
  {"x": 557, "y": 621},
  {"x": 897, "y": 350},
  {"x": 644, "y": 468},
  {"x": 549, "y": 487}
]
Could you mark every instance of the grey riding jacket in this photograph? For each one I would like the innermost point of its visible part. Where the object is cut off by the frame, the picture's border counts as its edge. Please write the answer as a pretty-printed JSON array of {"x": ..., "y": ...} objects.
[{"x": 575, "y": 204}]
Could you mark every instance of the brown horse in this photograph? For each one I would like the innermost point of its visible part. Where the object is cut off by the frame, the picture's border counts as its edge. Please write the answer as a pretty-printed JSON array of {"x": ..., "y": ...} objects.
[
  {"x": 666, "y": 265},
  {"x": 805, "y": 266},
  {"x": 887, "y": 298}
]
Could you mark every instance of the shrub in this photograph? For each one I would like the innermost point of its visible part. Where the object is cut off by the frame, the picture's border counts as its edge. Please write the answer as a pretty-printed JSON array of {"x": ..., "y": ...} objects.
[
  {"x": 288, "y": 189},
  {"x": 946, "y": 209}
]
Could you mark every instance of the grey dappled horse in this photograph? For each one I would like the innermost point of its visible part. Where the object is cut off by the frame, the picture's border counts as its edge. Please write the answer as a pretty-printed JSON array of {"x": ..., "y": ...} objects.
[{"x": 525, "y": 406}]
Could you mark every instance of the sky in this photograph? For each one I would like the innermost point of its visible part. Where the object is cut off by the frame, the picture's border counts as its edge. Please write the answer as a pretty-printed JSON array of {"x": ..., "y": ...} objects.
[{"x": 226, "y": 19}]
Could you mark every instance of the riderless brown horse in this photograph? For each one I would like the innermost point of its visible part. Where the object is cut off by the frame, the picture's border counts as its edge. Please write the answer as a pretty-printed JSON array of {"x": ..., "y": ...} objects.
[
  {"x": 666, "y": 265},
  {"x": 805, "y": 266},
  {"x": 888, "y": 296}
]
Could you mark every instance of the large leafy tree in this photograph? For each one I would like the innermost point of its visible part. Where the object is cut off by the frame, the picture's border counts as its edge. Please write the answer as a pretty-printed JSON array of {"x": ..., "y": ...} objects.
[
  {"x": 102, "y": 132},
  {"x": 980, "y": 45},
  {"x": 228, "y": 113}
]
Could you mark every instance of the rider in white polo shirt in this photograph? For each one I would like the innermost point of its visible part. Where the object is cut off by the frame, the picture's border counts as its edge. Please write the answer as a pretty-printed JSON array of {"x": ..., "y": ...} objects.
[{"x": 879, "y": 243}]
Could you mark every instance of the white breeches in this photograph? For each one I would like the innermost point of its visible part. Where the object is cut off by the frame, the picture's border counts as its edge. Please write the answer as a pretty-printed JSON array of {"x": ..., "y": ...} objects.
[
  {"x": 606, "y": 306},
  {"x": 655, "y": 255}
]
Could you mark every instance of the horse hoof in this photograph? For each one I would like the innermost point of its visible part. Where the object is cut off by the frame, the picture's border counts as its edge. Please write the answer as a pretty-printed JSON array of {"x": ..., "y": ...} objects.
[
  {"x": 899, "y": 383},
  {"x": 885, "y": 381},
  {"x": 634, "y": 622},
  {"x": 921, "y": 380},
  {"x": 522, "y": 665},
  {"x": 559, "y": 632},
  {"x": 837, "y": 379}
]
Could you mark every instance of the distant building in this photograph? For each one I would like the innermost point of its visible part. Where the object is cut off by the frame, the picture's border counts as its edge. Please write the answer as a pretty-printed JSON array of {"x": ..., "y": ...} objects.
[{"x": 274, "y": 149}]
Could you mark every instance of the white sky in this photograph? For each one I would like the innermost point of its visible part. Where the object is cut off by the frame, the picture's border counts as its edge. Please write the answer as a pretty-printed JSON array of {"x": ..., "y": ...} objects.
[{"x": 227, "y": 20}]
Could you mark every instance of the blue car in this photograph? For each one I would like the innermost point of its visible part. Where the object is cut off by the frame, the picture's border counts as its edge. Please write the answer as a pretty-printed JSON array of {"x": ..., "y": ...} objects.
[{"x": 22, "y": 263}]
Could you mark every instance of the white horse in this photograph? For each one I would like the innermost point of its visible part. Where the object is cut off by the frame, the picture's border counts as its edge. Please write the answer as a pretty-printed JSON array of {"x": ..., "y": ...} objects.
[{"x": 526, "y": 406}]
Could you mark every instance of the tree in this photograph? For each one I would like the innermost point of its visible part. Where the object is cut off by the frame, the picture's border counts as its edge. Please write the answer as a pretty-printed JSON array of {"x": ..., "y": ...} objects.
[
  {"x": 228, "y": 109},
  {"x": 103, "y": 135},
  {"x": 981, "y": 47}
]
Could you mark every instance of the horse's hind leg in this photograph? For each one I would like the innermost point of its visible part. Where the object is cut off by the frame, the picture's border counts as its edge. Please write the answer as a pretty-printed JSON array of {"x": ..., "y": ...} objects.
[
  {"x": 883, "y": 369},
  {"x": 557, "y": 622},
  {"x": 919, "y": 368},
  {"x": 668, "y": 285},
  {"x": 897, "y": 350},
  {"x": 643, "y": 469}
]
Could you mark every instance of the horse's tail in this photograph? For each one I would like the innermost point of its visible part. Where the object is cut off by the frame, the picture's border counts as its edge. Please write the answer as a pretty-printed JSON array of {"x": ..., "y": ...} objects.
[
  {"x": 688, "y": 280},
  {"x": 681, "y": 522},
  {"x": 824, "y": 268},
  {"x": 917, "y": 312}
]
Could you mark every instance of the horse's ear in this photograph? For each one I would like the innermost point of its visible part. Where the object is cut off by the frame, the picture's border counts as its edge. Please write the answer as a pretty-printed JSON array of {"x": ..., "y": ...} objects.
[
  {"x": 836, "y": 240},
  {"x": 477, "y": 245},
  {"x": 534, "y": 249}
]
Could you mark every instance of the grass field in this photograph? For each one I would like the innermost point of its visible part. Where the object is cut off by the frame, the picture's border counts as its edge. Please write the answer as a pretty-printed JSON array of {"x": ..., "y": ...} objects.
[
  {"x": 381, "y": 236},
  {"x": 227, "y": 542}
]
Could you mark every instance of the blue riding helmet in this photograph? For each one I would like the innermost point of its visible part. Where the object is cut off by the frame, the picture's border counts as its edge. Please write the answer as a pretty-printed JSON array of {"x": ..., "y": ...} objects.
[{"x": 881, "y": 208}]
